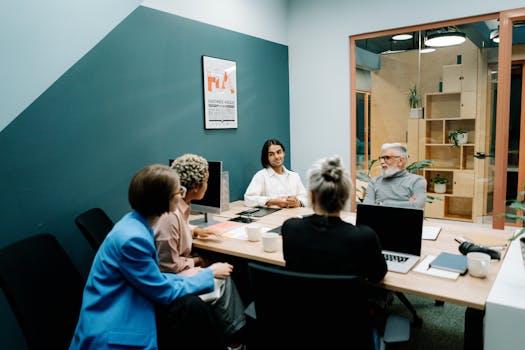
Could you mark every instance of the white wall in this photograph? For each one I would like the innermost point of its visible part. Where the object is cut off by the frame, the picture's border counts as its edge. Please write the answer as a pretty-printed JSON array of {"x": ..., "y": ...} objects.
[
  {"x": 40, "y": 40},
  {"x": 318, "y": 39},
  {"x": 265, "y": 19}
]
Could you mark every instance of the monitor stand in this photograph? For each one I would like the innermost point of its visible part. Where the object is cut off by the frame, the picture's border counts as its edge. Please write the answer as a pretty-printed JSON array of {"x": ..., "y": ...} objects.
[{"x": 205, "y": 221}]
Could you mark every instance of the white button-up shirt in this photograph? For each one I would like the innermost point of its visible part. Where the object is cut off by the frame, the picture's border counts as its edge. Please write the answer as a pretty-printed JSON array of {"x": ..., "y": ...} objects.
[{"x": 266, "y": 184}]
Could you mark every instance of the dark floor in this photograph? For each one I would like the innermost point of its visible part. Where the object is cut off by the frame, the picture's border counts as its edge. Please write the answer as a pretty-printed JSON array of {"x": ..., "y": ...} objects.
[{"x": 442, "y": 327}]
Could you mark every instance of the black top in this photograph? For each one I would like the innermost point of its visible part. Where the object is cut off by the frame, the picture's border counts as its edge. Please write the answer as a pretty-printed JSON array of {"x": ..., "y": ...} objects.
[{"x": 327, "y": 244}]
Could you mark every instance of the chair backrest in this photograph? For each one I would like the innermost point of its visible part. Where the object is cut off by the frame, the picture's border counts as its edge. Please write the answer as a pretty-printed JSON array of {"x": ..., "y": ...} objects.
[
  {"x": 94, "y": 224},
  {"x": 309, "y": 311},
  {"x": 44, "y": 290}
]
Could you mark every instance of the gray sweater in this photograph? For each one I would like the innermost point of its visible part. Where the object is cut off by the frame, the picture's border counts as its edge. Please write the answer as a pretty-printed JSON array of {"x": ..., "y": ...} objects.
[{"x": 396, "y": 190}]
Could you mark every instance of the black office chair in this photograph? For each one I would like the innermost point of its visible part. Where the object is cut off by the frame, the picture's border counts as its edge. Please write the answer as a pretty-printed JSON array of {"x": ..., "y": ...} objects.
[
  {"x": 94, "y": 224},
  {"x": 295, "y": 310},
  {"x": 44, "y": 290}
]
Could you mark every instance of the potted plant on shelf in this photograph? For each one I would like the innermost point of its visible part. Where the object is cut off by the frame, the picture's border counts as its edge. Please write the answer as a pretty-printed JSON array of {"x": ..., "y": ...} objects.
[
  {"x": 414, "y": 102},
  {"x": 458, "y": 137},
  {"x": 440, "y": 183}
]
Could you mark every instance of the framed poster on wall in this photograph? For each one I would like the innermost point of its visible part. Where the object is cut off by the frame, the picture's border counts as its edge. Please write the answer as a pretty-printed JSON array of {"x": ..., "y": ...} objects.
[{"x": 220, "y": 93}]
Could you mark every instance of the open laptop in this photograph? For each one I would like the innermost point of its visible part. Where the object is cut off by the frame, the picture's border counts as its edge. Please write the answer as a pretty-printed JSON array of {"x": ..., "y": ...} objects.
[{"x": 399, "y": 231}]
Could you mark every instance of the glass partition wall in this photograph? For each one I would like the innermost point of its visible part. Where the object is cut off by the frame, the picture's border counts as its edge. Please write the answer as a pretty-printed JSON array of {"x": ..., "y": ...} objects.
[{"x": 443, "y": 104}]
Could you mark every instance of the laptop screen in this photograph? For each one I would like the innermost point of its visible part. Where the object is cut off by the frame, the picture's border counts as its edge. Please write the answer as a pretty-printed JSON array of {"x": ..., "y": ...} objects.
[{"x": 398, "y": 229}]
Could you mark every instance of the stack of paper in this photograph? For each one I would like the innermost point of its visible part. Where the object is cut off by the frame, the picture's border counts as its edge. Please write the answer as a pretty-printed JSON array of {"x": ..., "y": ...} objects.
[
  {"x": 224, "y": 226},
  {"x": 240, "y": 232},
  {"x": 431, "y": 232}
]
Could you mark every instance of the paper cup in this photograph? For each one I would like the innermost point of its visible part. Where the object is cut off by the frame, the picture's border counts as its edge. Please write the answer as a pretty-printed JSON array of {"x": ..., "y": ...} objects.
[
  {"x": 254, "y": 232},
  {"x": 478, "y": 264},
  {"x": 271, "y": 242}
]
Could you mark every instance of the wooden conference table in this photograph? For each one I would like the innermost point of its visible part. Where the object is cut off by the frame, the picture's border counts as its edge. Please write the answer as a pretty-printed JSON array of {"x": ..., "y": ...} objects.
[{"x": 466, "y": 290}]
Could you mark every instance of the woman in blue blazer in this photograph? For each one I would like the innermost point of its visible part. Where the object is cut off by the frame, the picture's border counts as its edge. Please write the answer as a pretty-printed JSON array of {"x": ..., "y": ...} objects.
[{"x": 125, "y": 283}]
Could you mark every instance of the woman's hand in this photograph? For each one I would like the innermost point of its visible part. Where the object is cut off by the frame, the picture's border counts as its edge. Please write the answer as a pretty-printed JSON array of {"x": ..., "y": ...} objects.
[
  {"x": 293, "y": 202},
  {"x": 284, "y": 202},
  {"x": 203, "y": 233},
  {"x": 221, "y": 270}
]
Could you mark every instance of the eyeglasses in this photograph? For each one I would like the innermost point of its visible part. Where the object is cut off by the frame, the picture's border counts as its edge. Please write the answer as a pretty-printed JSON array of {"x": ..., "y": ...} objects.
[{"x": 387, "y": 158}]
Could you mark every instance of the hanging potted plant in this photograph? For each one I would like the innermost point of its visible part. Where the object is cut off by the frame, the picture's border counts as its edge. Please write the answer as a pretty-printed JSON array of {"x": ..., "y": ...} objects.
[
  {"x": 458, "y": 137},
  {"x": 440, "y": 183},
  {"x": 414, "y": 102}
]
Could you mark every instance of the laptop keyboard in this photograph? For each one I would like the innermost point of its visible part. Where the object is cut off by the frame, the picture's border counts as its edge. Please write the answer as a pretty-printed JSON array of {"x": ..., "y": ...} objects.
[{"x": 396, "y": 258}]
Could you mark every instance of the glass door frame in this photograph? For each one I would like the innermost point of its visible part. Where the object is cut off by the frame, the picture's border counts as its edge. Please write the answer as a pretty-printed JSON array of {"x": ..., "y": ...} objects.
[
  {"x": 506, "y": 21},
  {"x": 366, "y": 118}
]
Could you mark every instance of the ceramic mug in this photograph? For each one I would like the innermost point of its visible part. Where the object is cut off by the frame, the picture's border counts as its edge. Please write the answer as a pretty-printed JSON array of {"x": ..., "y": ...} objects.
[
  {"x": 253, "y": 232},
  {"x": 271, "y": 242},
  {"x": 478, "y": 264}
]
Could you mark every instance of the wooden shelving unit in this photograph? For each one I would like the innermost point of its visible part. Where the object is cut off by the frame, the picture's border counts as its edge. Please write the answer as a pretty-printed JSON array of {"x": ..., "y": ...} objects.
[{"x": 444, "y": 114}]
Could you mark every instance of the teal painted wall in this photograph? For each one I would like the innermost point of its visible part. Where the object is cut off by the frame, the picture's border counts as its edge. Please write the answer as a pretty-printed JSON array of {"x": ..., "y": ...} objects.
[{"x": 136, "y": 98}]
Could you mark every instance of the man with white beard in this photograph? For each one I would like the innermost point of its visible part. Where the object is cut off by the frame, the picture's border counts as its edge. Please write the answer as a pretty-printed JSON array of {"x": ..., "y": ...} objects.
[{"x": 396, "y": 187}]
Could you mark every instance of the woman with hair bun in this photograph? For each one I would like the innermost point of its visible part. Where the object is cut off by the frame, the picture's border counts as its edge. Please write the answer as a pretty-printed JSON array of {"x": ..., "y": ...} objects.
[{"x": 323, "y": 242}]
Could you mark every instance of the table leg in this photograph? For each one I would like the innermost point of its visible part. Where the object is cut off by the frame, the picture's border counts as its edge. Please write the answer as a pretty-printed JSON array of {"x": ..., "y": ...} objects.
[{"x": 473, "y": 336}]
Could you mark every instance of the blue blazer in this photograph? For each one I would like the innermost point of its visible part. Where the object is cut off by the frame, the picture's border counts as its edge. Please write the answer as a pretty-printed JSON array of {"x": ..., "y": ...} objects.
[{"x": 124, "y": 284}]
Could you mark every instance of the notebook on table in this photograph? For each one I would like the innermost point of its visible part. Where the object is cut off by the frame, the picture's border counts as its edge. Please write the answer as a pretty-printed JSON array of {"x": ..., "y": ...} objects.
[
  {"x": 450, "y": 262},
  {"x": 399, "y": 231}
]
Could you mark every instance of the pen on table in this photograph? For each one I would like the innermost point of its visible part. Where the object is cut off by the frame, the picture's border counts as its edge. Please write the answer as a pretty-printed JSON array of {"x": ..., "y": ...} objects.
[{"x": 459, "y": 240}]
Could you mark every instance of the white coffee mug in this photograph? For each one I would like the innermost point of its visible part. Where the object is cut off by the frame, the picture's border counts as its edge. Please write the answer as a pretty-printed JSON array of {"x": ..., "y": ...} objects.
[
  {"x": 478, "y": 264},
  {"x": 271, "y": 242},
  {"x": 253, "y": 231}
]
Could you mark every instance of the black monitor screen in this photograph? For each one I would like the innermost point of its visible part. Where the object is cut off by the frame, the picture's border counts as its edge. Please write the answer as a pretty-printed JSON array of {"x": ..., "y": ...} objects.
[{"x": 211, "y": 202}]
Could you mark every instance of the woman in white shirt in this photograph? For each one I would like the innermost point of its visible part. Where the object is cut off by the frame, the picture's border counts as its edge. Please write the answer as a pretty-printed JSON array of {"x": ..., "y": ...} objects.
[{"x": 275, "y": 185}]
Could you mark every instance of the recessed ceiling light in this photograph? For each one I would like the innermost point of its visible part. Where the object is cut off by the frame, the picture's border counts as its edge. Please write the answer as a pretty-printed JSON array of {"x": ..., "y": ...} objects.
[
  {"x": 494, "y": 35},
  {"x": 442, "y": 39},
  {"x": 391, "y": 51},
  {"x": 427, "y": 50},
  {"x": 402, "y": 37}
]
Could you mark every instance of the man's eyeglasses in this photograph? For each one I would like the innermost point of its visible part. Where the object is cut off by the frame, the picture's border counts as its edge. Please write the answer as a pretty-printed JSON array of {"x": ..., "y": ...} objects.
[{"x": 387, "y": 158}]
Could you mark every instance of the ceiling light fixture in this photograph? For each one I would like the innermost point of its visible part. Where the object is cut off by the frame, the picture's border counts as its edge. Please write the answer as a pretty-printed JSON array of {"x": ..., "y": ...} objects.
[
  {"x": 400, "y": 37},
  {"x": 445, "y": 37},
  {"x": 494, "y": 35},
  {"x": 387, "y": 52},
  {"x": 427, "y": 50}
]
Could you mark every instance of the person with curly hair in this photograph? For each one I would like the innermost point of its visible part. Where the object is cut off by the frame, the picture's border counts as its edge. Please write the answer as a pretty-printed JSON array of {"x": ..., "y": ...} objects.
[{"x": 173, "y": 239}]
